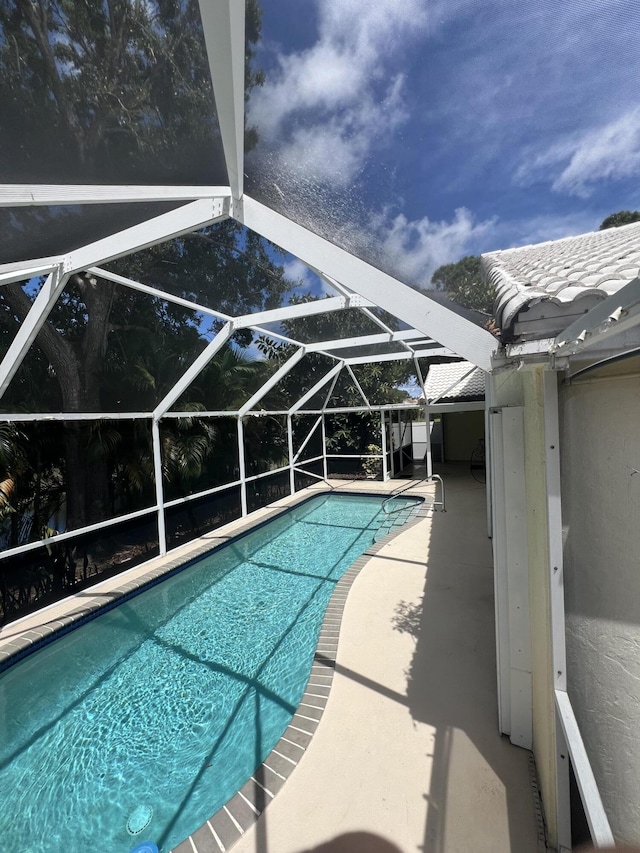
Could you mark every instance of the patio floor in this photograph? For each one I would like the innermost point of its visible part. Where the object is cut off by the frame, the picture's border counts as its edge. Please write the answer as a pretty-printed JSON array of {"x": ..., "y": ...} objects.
[{"x": 408, "y": 747}]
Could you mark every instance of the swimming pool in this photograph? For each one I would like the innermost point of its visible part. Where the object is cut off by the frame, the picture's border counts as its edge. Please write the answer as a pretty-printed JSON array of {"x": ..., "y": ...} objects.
[{"x": 153, "y": 714}]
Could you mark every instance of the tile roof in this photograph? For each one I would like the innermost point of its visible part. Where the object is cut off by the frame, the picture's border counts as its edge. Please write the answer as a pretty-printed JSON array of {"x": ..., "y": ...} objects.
[
  {"x": 540, "y": 289},
  {"x": 459, "y": 380}
]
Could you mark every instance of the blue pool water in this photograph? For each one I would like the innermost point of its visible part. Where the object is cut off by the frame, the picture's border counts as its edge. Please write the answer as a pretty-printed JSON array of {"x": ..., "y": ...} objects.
[{"x": 157, "y": 711}]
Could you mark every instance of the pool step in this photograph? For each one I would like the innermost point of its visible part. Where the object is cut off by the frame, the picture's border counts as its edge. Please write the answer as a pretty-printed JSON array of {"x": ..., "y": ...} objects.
[{"x": 393, "y": 522}]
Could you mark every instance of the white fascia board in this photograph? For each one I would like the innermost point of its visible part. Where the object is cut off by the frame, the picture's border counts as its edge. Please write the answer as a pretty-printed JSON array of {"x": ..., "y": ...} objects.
[
  {"x": 185, "y": 219},
  {"x": 28, "y": 331},
  {"x": 540, "y": 347},
  {"x": 223, "y": 27},
  {"x": 399, "y": 356},
  {"x": 614, "y": 315},
  {"x": 364, "y": 340},
  {"x": 432, "y": 319},
  {"x": 26, "y": 273},
  {"x": 154, "y": 291},
  {"x": 320, "y": 384},
  {"x": 34, "y": 195},
  {"x": 196, "y": 368},
  {"x": 271, "y": 382}
]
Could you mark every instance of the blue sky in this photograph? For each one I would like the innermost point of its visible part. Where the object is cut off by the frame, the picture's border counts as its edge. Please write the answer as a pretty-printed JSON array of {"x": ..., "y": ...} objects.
[{"x": 453, "y": 127}]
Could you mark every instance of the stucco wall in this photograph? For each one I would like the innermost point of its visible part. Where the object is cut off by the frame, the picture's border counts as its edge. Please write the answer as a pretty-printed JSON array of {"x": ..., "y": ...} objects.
[
  {"x": 600, "y": 451},
  {"x": 462, "y": 430}
]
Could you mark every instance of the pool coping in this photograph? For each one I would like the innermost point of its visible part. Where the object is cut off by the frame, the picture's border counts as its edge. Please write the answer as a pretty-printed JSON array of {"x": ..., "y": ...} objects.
[{"x": 240, "y": 812}]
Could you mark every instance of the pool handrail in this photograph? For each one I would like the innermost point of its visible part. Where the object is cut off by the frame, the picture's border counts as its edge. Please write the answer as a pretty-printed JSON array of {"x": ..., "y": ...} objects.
[{"x": 397, "y": 492}]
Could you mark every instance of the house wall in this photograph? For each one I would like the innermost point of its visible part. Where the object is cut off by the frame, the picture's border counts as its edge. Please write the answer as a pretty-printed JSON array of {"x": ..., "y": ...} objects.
[
  {"x": 419, "y": 439},
  {"x": 600, "y": 453},
  {"x": 525, "y": 388},
  {"x": 462, "y": 430}
]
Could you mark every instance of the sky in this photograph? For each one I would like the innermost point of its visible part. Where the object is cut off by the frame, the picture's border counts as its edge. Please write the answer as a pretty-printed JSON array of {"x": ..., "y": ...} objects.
[{"x": 432, "y": 129}]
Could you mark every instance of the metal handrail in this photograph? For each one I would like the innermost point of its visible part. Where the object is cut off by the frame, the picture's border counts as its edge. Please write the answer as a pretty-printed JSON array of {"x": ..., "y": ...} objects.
[{"x": 397, "y": 492}]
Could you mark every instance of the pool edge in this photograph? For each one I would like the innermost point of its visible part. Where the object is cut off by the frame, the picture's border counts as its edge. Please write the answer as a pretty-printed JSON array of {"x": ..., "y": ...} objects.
[{"x": 227, "y": 825}]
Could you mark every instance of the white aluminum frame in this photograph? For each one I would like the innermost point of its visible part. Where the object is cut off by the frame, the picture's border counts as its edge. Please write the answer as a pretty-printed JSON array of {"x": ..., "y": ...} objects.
[
  {"x": 567, "y": 734},
  {"x": 435, "y": 331}
]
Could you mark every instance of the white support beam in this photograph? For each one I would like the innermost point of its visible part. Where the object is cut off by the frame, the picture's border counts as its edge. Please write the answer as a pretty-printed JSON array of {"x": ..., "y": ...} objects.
[
  {"x": 223, "y": 27},
  {"x": 325, "y": 471},
  {"x": 43, "y": 417},
  {"x": 432, "y": 319},
  {"x": 196, "y": 368},
  {"x": 288, "y": 312},
  {"x": 500, "y": 569},
  {"x": 401, "y": 356},
  {"x": 271, "y": 382},
  {"x": 242, "y": 470},
  {"x": 383, "y": 442},
  {"x": 157, "y": 468},
  {"x": 556, "y": 599},
  {"x": 358, "y": 386},
  {"x": 308, "y": 438},
  {"x": 185, "y": 219},
  {"x": 26, "y": 273},
  {"x": 599, "y": 827},
  {"x": 292, "y": 473},
  {"x": 428, "y": 457},
  {"x": 329, "y": 393},
  {"x": 346, "y": 291},
  {"x": 439, "y": 408},
  {"x": 33, "y": 195},
  {"x": 184, "y": 303},
  {"x": 28, "y": 331},
  {"x": 45, "y": 264},
  {"x": 419, "y": 377},
  {"x": 155, "y": 292},
  {"x": 313, "y": 391},
  {"x": 365, "y": 340}
]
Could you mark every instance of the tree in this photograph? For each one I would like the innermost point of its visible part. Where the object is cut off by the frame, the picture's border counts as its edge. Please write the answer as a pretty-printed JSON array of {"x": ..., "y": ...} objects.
[
  {"x": 464, "y": 284},
  {"x": 622, "y": 217},
  {"x": 112, "y": 91},
  {"x": 118, "y": 91}
]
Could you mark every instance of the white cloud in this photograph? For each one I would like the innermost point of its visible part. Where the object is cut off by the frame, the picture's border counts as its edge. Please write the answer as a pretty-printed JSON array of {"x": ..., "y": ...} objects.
[
  {"x": 576, "y": 163},
  {"x": 305, "y": 280},
  {"x": 418, "y": 247},
  {"x": 322, "y": 109}
]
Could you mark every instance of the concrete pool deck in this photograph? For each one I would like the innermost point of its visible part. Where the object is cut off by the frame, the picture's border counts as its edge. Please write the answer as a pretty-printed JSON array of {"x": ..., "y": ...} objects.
[{"x": 407, "y": 747}]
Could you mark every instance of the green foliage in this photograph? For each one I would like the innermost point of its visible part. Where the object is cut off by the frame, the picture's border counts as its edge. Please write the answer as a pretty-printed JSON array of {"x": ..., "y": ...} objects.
[
  {"x": 622, "y": 217},
  {"x": 109, "y": 91},
  {"x": 373, "y": 467},
  {"x": 463, "y": 283}
]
